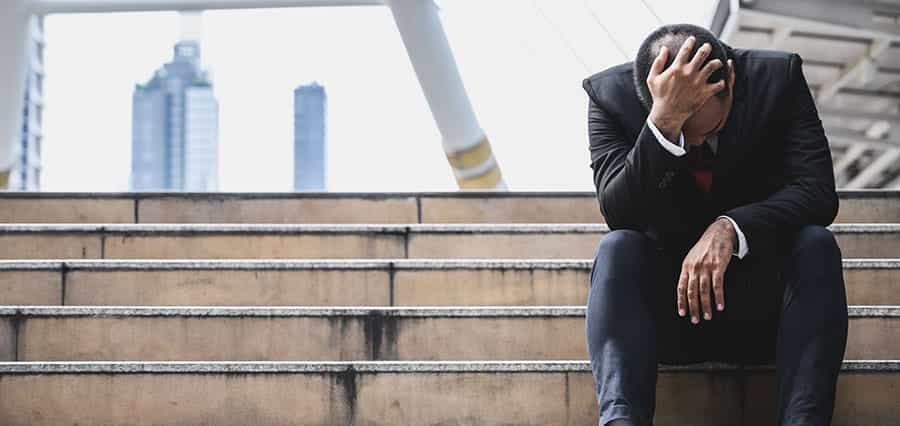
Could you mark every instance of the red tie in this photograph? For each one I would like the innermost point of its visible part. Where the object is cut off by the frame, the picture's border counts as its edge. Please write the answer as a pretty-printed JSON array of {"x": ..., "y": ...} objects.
[{"x": 700, "y": 161}]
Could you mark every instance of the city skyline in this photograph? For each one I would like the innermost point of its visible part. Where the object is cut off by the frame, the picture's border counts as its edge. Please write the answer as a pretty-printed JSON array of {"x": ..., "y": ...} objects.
[{"x": 378, "y": 117}]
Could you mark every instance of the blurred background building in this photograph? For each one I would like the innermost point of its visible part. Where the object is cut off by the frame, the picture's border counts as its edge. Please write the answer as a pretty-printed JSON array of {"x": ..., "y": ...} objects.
[
  {"x": 175, "y": 127},
  {"x": 309, "y": 137},
  {"x": 26, "y": 170}
]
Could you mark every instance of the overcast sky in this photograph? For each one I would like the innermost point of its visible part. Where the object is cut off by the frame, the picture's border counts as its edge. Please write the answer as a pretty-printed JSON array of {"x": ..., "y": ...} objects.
[{"x": 522, "y": 63}]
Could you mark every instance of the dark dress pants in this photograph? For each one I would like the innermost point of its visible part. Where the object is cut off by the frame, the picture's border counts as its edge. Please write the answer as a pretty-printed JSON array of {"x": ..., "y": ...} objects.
[{"x": 791, "y": 311}]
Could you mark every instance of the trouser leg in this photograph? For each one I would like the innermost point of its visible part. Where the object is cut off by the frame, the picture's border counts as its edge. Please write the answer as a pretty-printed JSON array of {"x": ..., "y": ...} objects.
[
  {"x": 812, "y": 331},
  {"x": 620, "y": 328}
]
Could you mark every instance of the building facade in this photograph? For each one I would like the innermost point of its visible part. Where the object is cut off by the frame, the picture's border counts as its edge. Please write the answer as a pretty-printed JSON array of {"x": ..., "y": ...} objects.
[
  {"x": 309, "y": 137},
  {"x": 26, "y": 170},
  {"x": 175, "y": 125}
]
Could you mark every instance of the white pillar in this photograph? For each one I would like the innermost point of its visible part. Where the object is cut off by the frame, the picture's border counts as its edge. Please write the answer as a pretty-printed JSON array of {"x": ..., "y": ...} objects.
[
  {"x": 464, "y": 142},
  {"x": 14, "y": 32}
]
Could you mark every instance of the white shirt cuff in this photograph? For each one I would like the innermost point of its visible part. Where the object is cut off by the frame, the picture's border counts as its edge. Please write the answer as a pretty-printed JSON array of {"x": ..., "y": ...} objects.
[
  {"x": 742, "y": 248},
  {"x": 676, "y": 150}
]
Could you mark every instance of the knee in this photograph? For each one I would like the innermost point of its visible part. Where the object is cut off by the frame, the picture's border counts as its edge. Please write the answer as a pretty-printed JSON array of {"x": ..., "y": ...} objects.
[
  {"x": 816, "y": 265},
  {"x": 817, "y": 242},
  {"x": 619, "y": 250},
  {"x": 622, "y": 242},
  {"x": 621, "y": 272}
]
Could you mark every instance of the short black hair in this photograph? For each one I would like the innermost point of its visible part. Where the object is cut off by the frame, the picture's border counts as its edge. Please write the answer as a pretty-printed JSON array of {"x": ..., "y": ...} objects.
[{"x": 673, "y": 36}]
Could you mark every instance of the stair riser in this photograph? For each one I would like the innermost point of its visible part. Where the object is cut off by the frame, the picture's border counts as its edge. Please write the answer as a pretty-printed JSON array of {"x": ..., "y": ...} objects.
[
  {"x": 418, "y": 245},
  {"x": 341, "y": 338},
  {"x": 381, "y": 209},
  {"x": 361, "y": 287},
  {"x": 558, "y": 398}
]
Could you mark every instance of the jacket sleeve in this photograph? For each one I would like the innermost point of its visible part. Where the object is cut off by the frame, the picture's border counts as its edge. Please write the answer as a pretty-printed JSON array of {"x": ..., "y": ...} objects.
[
  {"x": 632, "y": 177},
  {"x": 808, "y": 195}
]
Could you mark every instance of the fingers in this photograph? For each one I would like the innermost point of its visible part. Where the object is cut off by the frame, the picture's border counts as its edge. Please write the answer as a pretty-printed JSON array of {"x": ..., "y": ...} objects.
[
  {"x": 657, "y": 67},
  {"x": 700, "y": 56},
  {"x": 685, "y": 51},
  {"x": 718, "y": 284},
  {"x": 711, "y": 89},
  {"x": 710, "y": 68},
  {"x": 705, "y": 302},
  {"x": 693, "y": 297},
  {"x": 681, "y": 293}
]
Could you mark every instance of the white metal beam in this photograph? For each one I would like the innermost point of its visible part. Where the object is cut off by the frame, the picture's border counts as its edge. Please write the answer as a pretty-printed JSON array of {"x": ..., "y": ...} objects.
[
  {"x": 779, "y": 35},
  {"x": 895, "y": 184},
  {"x": 873, "y": 171},
  {"x": 853, "y": 70},
  {"x": 831, "y": 112},
  {"x": 854, "y": 152},
  {"x": 732, "y": 21},
  {"x": 97, "y": 6},
  {"x": 465, "y": 144},
  {"x": 754, "y": 17},
  {"x": 14, "y": 32},
  {"x": 855, "y": 137}
]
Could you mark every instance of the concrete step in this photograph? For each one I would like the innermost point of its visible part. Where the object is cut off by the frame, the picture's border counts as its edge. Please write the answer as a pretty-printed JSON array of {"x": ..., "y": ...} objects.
[
  {"x": 216, "y": 241},
  {"x": 345, "y": 334},
  {"x": 436, "y": 207},
  {"x": 392, "y": 282},
  {"x": 407, "y": 393}
]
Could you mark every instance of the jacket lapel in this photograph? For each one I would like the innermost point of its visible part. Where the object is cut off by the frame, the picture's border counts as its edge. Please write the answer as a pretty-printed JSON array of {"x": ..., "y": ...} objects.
[{"x": 729, "y": 138}]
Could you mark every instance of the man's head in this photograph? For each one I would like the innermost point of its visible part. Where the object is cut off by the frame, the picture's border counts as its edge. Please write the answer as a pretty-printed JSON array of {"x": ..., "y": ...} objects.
[{"x": 711, "y": 117}]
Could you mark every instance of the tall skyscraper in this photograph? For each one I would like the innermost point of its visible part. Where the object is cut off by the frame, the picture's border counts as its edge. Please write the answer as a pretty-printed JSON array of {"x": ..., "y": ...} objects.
[
  {"x": 309, "y": 138},
  {"x": 175, "y": 126},
  {"x": 26, "y": 171}
]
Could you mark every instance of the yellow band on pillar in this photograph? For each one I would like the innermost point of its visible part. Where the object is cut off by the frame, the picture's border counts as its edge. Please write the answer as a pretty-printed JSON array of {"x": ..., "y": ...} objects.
[
  {"x": 4, "y": 179},
  {"x": 471, "y": 157},
  {"x": 487, "y": 180}
]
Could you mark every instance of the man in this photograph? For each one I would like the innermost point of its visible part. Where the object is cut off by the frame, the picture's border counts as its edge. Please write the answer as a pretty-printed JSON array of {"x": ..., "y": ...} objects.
[{"x": 714, "y": 175}]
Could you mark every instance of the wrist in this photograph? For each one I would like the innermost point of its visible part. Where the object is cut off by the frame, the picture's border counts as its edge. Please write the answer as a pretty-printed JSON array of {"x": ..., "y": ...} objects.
[
  {"x": 668, "y": 124},
  {"x": 728, "y": 228}
]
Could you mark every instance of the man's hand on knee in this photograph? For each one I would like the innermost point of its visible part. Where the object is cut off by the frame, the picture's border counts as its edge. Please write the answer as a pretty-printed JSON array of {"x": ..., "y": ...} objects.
[{"x": 704, "y": 269}]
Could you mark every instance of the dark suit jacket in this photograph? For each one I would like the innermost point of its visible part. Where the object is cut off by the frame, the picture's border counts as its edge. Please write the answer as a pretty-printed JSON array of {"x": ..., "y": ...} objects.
[{"x": 772, "y": 173}]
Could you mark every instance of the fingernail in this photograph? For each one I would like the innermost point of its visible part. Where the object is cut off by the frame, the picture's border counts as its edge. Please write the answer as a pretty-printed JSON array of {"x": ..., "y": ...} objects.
[
  {"x": 681, "y": 312},
  {"x": 694, "y": 320},
  {"x": 707, "y": 316},
  {"x": 720, "y": 306}
]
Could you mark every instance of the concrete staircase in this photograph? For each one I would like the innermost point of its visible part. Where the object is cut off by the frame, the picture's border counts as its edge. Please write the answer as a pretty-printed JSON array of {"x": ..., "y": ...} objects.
[{"x": 364, "y": 309}]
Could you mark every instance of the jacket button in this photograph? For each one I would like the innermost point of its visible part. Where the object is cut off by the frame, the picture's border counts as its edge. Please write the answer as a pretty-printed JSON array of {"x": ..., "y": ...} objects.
[{"x": 667, "y": 178}]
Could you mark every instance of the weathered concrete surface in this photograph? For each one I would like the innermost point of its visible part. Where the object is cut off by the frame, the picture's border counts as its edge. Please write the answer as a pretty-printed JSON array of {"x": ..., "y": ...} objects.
[
  {"x": 53, "y": 209},
  {"x": 30, "y": 287},
  {"x": 229, "y": 288},
  {"x": 399, "y": 207},
  {"x": 540, "y": 393},
  {"x": 517, "y": 209},
  {"x": 50, "y": 246},
  {"x": 198, "y": 241},
  {"x": 320, "y": 334},
  {"x": 278, "y": 210},
  {"x": 389, "y": 282}
]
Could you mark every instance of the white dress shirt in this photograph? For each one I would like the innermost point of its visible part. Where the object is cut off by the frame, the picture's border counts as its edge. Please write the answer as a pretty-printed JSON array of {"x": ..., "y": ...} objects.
[{"x": 679, "y": 150}]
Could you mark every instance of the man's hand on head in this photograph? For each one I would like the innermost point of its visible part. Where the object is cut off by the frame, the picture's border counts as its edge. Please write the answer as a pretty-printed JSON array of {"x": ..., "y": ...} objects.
[
  {"x": 681, "y": 89},
  {"x": 703, "y": 271}
]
